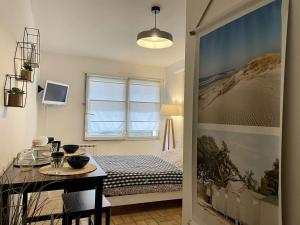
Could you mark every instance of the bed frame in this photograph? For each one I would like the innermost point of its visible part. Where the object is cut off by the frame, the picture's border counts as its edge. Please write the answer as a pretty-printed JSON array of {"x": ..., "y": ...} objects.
[{"x": 144, "y": 198}]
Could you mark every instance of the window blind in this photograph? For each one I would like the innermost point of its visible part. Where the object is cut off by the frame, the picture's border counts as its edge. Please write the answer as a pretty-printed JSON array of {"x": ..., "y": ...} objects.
[
  {"x": 120, "y": 108},
  {"x": 106, "y": 107},
  {"x": 144, "y": 108}
]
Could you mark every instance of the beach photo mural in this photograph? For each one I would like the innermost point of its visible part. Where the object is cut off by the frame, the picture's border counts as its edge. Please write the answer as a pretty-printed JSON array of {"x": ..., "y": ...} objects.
[
  {"x": 240, "y": 71},
  {"x": 240, "y": 74}
]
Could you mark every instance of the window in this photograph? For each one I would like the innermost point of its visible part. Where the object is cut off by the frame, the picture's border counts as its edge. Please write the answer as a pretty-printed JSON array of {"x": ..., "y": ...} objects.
[{"x": 121, "y": 108}]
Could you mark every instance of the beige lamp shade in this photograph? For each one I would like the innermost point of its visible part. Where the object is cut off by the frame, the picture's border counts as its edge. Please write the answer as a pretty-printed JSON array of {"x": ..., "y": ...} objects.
[{"x": 171, "y": 110}]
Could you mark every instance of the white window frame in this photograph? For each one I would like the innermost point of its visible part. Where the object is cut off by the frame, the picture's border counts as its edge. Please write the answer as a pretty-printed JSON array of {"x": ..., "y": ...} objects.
[{"x": 125, "y": 137}]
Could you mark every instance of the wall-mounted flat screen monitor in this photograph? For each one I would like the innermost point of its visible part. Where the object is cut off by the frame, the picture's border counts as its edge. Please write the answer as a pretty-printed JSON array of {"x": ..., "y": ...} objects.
[{"x": 55, "y": 93}]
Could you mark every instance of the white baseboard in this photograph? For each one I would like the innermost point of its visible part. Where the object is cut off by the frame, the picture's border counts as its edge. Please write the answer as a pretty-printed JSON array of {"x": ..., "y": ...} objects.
[{"x": 144, "y": 198}]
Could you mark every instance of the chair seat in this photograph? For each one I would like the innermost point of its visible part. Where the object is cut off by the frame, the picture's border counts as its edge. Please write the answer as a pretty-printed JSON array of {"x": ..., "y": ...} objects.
[{"x": 82, "y": 202}]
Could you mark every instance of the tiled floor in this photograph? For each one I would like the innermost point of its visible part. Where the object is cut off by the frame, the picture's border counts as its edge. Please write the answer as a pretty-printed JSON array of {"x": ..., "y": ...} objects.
[{"x": 160, "y": 213}]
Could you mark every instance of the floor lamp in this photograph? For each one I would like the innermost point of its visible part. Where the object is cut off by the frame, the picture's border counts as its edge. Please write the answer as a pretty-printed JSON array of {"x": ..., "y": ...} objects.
[{"x": 170, "y": 110}]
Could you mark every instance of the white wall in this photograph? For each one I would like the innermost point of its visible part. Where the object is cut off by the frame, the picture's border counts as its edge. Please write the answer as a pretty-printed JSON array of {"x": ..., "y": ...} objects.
[
  {"x": 291, "y": 122},
  {"x": 193, "y": 10},
  {"x": 174, "y": 94},
  {"x": 66, "y": 123},
  {"x": 17, "y": 125}
]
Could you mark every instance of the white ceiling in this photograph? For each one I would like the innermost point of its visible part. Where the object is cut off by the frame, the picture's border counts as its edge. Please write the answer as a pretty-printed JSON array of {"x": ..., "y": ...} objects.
[{"x": 108, "y": 28}]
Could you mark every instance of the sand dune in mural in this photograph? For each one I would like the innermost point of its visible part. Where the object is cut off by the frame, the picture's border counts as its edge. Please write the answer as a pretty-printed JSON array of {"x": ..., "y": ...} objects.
[{"x": 250, "y": 96}]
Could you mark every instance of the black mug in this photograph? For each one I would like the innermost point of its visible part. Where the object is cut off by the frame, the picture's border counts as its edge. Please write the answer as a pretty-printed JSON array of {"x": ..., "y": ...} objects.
[{"x": 50, "y": 140}]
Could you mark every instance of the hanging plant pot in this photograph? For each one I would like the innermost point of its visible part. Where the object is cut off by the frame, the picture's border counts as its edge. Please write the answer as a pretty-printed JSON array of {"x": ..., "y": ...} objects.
[
  {"x": 15, "y": 96},
  {"x": 26, "y": 74},
  {"x": 15, "y": 100}
]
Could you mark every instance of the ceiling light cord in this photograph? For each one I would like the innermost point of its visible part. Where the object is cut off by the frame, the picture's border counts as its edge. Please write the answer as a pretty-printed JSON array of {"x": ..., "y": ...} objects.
[{"x": 155, "y": 10}]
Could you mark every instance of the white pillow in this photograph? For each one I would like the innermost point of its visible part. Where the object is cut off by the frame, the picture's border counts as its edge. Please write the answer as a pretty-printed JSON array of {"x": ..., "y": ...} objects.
[{"x": 174, "y": 156}]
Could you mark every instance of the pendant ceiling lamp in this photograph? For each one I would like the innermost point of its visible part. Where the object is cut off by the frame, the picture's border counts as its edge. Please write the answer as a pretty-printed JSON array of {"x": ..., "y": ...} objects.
[{"x": 154, "y": 38}]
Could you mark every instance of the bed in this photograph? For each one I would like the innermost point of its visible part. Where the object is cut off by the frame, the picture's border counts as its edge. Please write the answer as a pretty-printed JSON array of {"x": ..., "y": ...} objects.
[{"x": 134, "y": 179}]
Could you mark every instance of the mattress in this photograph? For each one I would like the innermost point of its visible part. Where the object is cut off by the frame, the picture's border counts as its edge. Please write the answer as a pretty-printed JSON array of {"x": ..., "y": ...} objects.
[
  {"x": 141, "y": 189},
  {"x": 137, "y": 174}
]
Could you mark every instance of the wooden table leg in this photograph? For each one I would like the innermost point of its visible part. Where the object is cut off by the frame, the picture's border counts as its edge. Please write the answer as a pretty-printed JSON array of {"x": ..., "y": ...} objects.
[{"x": 98, "y": 204}]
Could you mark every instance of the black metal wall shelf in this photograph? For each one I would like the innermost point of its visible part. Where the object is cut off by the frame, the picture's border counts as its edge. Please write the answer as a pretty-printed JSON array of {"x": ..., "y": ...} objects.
[
  {"x": 32, "y": 36},
  {"x": 22, "y": 58},
  {"x": 27, "y": 54},
  {"x": 26, "y": 61}
]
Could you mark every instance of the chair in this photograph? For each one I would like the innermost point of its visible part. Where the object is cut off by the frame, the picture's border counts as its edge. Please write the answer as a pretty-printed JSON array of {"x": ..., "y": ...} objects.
[{"x": 81, "y": 204}]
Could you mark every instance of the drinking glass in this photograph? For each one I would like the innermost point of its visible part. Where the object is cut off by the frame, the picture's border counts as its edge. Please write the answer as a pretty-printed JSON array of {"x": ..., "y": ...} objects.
[
  {"x": 26, "y": 159},
  {"x": 57, "y": 161},
  {"x": 55, "y": 146}
]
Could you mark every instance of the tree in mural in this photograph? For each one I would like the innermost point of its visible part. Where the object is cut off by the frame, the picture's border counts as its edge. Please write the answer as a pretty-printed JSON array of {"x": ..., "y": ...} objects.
[
  {"x": 216, "y": 167},
  {"x": 249, "y": 180},
  {"x": 269, "y": 183},
  {"x": 206, "y": 148},
  {"x": 214, "y": 163}
]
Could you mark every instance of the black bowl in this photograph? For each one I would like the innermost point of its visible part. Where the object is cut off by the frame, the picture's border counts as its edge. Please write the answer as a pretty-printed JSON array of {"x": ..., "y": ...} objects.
[
  {"x": 70, "y": 148},
  {"x": 57, "y": 154},
  {"x": 78, "y": 162}
]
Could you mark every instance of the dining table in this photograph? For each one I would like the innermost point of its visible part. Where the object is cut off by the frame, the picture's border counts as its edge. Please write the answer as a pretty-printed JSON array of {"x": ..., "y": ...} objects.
[{"x": 27, "y": 182}]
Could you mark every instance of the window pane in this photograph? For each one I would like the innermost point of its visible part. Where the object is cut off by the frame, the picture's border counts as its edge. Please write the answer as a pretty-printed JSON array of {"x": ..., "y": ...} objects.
[
  {"x": 144, "y": 112},
  {"x": 143, "y": 126},
  {"x": 106, "y": 107},
  {"x": 144, "y": 108},
  {"x": 106, "y": 111},
  {"x": 150, "y": 133},
  {"x": 142, "y": 129},
  {"x": 105, "y": 129},
  {"x": 107, "y": 104},
  {"x": 107, "y": 89},
  {"x": 144, "y": 91}
]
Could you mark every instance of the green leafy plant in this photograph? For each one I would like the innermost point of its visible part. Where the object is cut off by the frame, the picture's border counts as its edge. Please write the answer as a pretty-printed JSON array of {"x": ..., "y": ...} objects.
[
  {"x": 27, "y": 66},
  {"x": 15, "y": 91}
]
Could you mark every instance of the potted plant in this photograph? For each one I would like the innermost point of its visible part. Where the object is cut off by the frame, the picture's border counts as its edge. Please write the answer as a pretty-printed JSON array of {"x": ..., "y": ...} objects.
[
  {"x": 26, "y": 71},
  {"x": 15, "y": 97}
]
